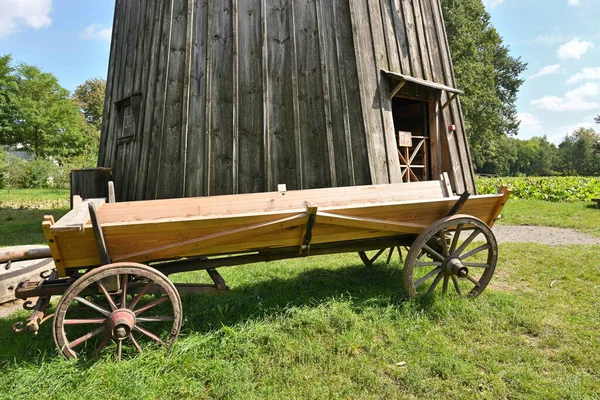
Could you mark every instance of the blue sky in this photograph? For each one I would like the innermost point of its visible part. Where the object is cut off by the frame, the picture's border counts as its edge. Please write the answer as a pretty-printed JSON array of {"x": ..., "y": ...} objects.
[{"x": 559, "y": 39}]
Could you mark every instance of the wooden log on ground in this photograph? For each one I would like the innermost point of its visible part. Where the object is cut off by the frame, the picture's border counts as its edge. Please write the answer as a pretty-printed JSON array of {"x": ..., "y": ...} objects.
[{"x": 23, "y": 253}]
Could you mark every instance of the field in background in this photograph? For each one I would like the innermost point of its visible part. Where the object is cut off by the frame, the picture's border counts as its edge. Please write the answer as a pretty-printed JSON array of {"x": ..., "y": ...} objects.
[{"x": 554, "y": 189}]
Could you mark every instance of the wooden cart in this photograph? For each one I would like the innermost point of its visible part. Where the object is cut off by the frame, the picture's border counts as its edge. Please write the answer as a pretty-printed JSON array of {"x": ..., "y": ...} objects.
[{"x": 112, "y": 259}]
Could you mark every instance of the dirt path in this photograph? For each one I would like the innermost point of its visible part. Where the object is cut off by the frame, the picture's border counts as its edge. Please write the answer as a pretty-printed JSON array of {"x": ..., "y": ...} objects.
[{"x": 542, "y": 234}]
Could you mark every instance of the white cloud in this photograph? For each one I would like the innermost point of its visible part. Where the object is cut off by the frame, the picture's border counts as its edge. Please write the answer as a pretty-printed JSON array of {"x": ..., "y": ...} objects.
[
  {"x": 574, "y": 100},
  {"x": 95, "y": 32},
  {"x": 547, "y": 70},
  {"x": 586, "y": 74},
  {"x": 573, "y": 3},
  {"x": 568, "y": 130},
  {"x": 29, "y": 13},
  {"x": 574, "y": 49},
  {"x": 493, "y": 3},
  {"x": 530, "y": 124}
]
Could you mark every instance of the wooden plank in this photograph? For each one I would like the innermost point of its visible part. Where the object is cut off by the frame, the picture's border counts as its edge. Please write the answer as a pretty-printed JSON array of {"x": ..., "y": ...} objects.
[
  {"x": 354, "y": 124},
  {"x": 196, "y": 154},
  {"x": 411, "y": 35},
  {"x": 505, "y": 192},
  {"x": 172, "y": 250},
  {"x": 169, "y": 180},
  {"x": 401, "y": 36},
  {"x": 250, "y": 116},
  {"x": 272, "y": 202},
  {"x": 381, "y": 59},
  {"x": 77, "y": 218},
  {"x": 310, "y": 102},
  {"x": 280, "y": 150},
  {"x": 369, "y": 86},
  {"x": 53, "y": 245},
  {"x": 337, "y": 104},
  {"x": 159, "y": 102},
  {"x": 421, "y": 39}
]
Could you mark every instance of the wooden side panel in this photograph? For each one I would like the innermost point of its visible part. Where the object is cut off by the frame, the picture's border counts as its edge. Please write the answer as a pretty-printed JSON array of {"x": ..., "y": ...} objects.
[{"x": 250, "y": 115}]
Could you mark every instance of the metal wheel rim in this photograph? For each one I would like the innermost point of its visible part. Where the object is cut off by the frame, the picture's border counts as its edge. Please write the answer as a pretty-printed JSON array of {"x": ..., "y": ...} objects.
[
  {"x": 130, "y": 269},
  {"x": 444, "y": 279}
]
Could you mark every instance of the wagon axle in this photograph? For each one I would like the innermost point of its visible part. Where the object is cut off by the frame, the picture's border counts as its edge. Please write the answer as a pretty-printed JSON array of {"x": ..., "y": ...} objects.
[{"x": 453, "y": 266}]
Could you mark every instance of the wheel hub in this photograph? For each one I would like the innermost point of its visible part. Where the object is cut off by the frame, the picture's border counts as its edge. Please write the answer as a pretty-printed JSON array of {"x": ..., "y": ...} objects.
[
  {"x": 121, "y": 322},
  {"x": 454, "y": 266}
]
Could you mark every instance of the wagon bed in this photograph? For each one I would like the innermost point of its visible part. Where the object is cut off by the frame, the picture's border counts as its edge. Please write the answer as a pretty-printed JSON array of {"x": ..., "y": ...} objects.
[{"x": 110, "y": 256}]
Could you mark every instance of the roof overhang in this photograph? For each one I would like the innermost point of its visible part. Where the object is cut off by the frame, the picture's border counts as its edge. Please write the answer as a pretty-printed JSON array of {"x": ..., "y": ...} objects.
[{"x": 401, "y": 80}]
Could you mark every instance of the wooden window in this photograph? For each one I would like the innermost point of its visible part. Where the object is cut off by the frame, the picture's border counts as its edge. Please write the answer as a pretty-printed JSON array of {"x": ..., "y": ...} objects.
[{"x": 128, "y": 121}]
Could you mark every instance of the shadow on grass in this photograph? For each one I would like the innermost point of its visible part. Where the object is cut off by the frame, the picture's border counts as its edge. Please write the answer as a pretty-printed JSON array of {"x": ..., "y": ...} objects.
[
  {"x": 379, "y": 286},
  {"x": 24, "y": 226}
]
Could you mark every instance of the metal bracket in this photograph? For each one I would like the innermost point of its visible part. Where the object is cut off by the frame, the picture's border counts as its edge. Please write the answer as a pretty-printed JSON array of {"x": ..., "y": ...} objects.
[
  {"x": 459, "y": 204},
  {"x": 311, "y": 212},
  {"x": 99, "y": 235}
]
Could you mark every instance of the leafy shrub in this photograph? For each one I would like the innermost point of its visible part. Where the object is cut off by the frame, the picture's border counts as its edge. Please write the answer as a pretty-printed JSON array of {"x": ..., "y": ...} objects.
[{"x": 556, "y": 189}]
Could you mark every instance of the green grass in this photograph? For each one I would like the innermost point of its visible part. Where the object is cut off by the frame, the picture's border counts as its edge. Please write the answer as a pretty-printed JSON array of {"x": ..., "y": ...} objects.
[
  {"x": 579, "y": 215},
  {"x": 327, "y": 327},
  {"x": 22, "y": 212}
]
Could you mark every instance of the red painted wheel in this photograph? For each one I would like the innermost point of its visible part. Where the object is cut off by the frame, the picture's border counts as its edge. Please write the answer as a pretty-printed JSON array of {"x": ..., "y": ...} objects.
[{"x": 118, "y": 307}]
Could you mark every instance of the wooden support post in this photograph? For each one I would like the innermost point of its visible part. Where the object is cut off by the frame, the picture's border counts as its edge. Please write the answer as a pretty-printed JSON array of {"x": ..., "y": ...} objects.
[
  {"x": 459, "y": 204},
  {"x": 311, "y": 213}
]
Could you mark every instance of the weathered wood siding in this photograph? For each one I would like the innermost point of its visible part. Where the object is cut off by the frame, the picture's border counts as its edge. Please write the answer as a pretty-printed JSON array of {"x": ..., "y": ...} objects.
[{"x": 237, "y": 96}]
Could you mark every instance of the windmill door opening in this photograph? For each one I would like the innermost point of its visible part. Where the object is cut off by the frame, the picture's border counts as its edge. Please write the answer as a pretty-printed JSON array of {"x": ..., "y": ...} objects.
[{"x": 413, "y": 136}]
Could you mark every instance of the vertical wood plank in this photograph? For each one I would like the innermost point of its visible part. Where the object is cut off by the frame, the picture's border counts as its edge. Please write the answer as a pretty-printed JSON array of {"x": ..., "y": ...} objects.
[
  {"x": 250, "y": 118},
  {"x": 280, "y": 95},
  {"x": 221, "y": 92}
]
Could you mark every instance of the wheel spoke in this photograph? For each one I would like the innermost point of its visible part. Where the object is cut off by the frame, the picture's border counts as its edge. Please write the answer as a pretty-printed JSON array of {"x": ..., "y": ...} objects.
[
  {"x": 456, "y": 285},
  {"x": 428, "y": 264},
  {"x": 456, "y": 237},
  {"x": 160, "y": 318},
  {"x": 147, "y": 333},
  {"x": 437, "y": 280},
  {"x": 124, "y": 294},
  {"x": 473, "y": 280},
  {"x": 390, "y": 254},
  {"x": 150, "y": 305},
  {"x": 135, "y": 343},
  {"x": 467, "y": 242},
  {"x": 376, "y": 256},
  {"x": 87, "y": 336},
  {"x": 433, "y": 253},
  {"x": 445, "y": 287},
  {"x": 103, "y": 343},
  {"x": 111, "y": 302},
  {"x": 84, "y": 321},
  {"x": 427, "y": 277},
  {"x": 476, "y": 265},
  {"x": 94, "y": 306},
  {"x": 139, "y": 295},
  {"x": 475, "y": 251},
  {"x": 442, "y": 236}
]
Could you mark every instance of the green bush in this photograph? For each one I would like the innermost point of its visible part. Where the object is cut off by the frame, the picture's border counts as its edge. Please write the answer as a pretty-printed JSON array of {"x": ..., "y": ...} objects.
[{"x": 557, "y": 189}]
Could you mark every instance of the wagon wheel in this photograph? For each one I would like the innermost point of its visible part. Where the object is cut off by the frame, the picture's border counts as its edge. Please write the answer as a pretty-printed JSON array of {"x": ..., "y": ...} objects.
[
  {"x": 91, "y": 317},
  {"x": 460, "y": 250},
  {"x": 369, "y": 258}
]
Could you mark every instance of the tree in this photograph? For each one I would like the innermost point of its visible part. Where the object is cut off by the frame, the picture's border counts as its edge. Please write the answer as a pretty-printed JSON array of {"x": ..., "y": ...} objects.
[
  {"x": 43, "y": 118},
  {"x": 8, "y": 90},
  {"x": 488, "y": 74},
  {"x": 577, "y": 155},
  {"x": 90, "y": 99}
]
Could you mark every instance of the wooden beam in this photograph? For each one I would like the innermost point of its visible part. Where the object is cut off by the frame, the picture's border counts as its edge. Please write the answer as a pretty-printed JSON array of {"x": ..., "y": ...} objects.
[
  {"x": 398, "y": 87},
  {"x": 76, "y": 219},
  {"x": 450, "y": 100},
  {"x": 505, "y": 192}
]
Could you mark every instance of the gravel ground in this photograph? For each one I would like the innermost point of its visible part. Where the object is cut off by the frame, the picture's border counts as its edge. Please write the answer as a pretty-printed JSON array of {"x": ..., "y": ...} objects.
[
  {"x": 504, "y": 233},
  {"x": 542, "y": 234}
]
